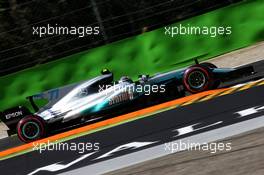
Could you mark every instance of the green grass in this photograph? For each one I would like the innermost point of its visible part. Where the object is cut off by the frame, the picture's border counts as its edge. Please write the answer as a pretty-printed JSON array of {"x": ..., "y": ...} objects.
[{"x": 147, "y": 53}]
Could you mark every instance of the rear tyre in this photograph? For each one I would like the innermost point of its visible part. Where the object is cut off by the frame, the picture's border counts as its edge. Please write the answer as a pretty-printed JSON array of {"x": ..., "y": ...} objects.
[
  {"x": 197, "y": 79},
  {"x": 31, "y": 128}
]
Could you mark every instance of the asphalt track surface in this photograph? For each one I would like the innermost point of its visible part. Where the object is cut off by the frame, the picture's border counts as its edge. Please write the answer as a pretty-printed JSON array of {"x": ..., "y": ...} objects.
[
  {"x": 159, "y": 129},
  {"x": 246, "y": 156}
]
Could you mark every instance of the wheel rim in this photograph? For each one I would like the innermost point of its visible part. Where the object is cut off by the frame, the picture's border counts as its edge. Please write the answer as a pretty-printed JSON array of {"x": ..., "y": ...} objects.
[
  {"x": 31, "y": 130},
  {"x": 196, "y": 79}
]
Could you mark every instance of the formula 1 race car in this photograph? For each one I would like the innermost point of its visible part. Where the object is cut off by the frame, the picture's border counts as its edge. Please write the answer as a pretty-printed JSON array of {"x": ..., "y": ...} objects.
[{"x": 103, "y": 97}]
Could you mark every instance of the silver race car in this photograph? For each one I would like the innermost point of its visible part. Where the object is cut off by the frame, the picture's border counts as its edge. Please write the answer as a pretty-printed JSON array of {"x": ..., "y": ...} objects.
[{"x": 102, "y": 97}]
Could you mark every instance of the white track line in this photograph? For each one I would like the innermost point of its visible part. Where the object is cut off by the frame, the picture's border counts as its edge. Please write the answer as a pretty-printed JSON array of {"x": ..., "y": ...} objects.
[{"x": 159, "y": 151}]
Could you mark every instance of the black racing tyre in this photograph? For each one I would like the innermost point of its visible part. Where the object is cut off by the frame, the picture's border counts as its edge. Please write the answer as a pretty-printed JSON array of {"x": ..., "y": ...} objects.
[
  {"x": 197, "y": 79},
  {"x": 31, "y": 128}
]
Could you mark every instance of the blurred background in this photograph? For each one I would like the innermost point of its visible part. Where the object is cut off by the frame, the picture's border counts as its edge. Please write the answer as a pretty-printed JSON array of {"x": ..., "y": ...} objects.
[{"x": 118, "y": 19}]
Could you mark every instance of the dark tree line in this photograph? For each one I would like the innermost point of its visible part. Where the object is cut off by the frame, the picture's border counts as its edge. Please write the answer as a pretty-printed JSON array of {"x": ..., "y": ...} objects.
[{"x": 117, "y": 19}]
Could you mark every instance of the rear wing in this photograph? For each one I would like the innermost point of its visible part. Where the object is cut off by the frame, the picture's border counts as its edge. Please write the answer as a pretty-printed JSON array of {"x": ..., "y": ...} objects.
[{"x": 12, "y": 116}]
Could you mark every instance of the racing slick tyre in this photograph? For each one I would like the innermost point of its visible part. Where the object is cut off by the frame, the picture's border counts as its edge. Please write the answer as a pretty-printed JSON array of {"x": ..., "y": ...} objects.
[
  {"x": 197, "y": 79},
  {"x": 31, "y": 128}
]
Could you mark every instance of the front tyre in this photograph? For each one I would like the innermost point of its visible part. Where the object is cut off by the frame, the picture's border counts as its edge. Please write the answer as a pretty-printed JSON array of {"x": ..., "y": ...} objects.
[
  {"x": 197, "y": 79},
  {"x": 30, "y": 128}
]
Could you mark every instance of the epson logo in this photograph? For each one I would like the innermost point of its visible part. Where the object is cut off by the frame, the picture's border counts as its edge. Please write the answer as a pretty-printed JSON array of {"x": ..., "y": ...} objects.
[{"x": 13, "y": 115}]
